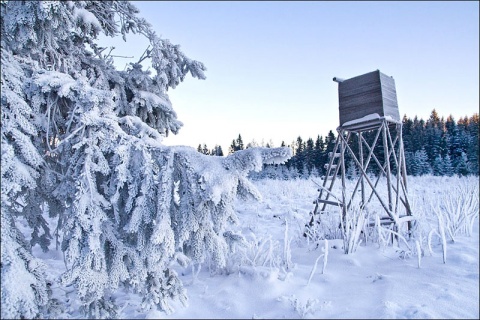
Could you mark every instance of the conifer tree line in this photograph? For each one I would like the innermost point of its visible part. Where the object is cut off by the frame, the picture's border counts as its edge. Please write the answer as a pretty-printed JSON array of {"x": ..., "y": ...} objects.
[
  {"x": 216, "y": 151},
  {"x": 436, "y": 146}
]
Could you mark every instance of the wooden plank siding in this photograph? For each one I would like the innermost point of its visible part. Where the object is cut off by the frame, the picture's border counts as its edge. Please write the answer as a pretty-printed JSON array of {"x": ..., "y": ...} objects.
[{"x": 370, "y": 93}]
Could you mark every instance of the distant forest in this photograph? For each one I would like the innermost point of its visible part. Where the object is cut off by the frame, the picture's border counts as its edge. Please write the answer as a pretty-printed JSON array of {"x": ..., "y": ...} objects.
[{"x": 436, "y": 146}]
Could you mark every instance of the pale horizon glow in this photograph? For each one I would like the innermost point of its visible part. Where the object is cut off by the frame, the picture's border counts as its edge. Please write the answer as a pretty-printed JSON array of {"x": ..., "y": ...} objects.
[{"x": 270, "y": 64}]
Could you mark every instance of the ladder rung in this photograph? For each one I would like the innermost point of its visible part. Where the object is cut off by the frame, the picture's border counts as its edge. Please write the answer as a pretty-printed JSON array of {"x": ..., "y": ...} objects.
[
  {"x": 333, "y": 203},
  {"x": 333, "y": 166},
  {"x": 388, "y": 220},
  {"x": 328, "y": 178},
  {"x": 336, "y": 155},
  {"x": 383, "y": 222}
]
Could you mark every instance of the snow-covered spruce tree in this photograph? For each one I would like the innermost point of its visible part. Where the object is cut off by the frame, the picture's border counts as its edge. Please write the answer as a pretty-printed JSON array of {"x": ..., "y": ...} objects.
[
  {"x": 205, "y": 192},
  {"x": 421, "y": 165},
  {"x": 24, "y": 291},
  {"x": 448, "y": 166},
  {"x": 127, "y": 205},
  {"x": 438, "y": 166}
]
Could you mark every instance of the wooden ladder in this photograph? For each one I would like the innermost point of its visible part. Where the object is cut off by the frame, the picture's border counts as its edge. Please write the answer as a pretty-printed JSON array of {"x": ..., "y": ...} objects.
[{"x": 333, "y": 168}]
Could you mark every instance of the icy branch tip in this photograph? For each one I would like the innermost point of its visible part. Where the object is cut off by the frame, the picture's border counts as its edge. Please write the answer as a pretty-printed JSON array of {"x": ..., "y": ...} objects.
[{"x": 252, "y": 159}]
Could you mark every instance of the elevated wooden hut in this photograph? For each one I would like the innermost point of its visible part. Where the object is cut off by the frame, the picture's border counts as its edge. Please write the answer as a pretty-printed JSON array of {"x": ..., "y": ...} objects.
[
  {"x": 368, "y": 103},
  {"x": 369, "y": 94}
]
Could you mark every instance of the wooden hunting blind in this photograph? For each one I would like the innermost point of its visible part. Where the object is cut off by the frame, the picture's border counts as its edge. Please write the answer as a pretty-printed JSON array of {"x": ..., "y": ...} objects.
[
  {"x": 367, "y": 94},
  {"x": 367, "y": 103}
]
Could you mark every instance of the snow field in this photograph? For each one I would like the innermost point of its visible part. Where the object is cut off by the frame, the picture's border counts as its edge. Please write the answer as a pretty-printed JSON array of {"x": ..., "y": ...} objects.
[
  {"x": 272, "y": 279},
  {"x": 374, "y": 282}
]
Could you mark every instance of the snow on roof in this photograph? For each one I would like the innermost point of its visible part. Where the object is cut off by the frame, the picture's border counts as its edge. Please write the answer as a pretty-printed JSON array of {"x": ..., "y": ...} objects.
[{"x": 368, "y": 117}]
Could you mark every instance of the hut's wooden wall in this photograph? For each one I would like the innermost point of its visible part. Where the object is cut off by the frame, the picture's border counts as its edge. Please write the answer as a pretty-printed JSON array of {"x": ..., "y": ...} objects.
[{"x": 373, "y": 92}]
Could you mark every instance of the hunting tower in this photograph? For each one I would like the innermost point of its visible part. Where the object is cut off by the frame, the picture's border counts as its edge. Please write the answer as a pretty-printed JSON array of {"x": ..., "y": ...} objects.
[{"x": 367, "y": 105}]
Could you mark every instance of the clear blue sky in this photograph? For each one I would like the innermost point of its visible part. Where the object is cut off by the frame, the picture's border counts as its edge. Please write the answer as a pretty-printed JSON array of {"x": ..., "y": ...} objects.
[{"x": 270, "y": 64}]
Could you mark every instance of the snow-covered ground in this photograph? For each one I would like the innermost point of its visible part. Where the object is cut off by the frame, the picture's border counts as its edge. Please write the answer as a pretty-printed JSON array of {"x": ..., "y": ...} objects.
[{"x": 269, "y": 277}]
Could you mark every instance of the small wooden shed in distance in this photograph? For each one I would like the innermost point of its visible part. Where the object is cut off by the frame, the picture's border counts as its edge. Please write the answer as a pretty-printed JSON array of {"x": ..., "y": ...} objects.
[{"x": 366, "y": 99}]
